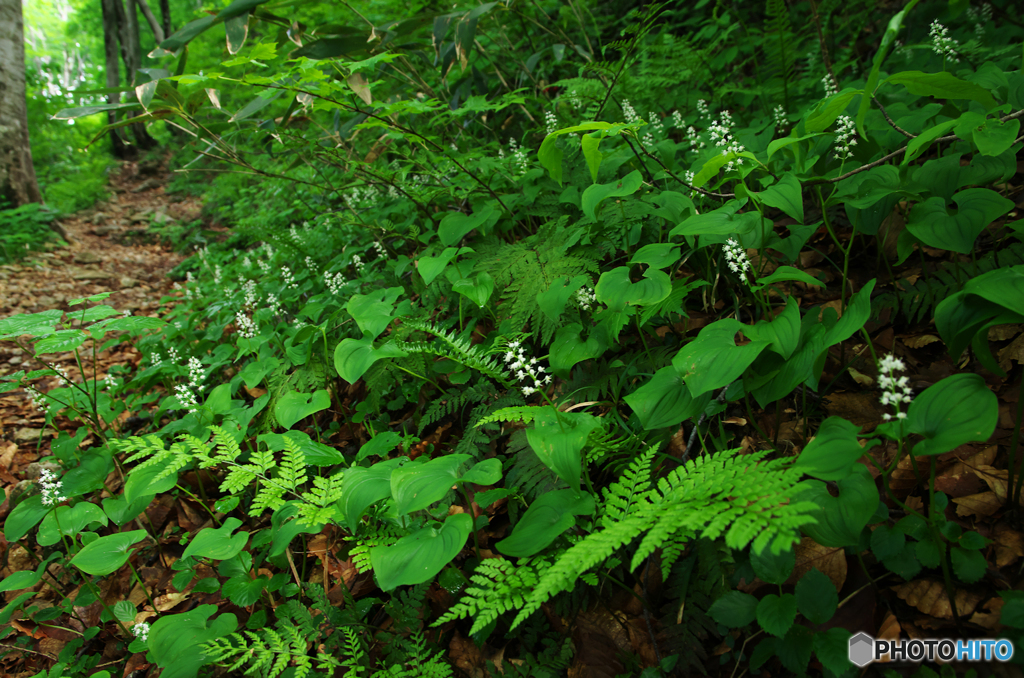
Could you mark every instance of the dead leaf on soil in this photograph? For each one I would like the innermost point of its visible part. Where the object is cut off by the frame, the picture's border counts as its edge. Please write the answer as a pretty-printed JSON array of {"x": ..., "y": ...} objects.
[
  {"x": 981, "y": 504},
  {"x": 929, "y": 596},
  {"x": 830, "y": 561},
  {"x": 1009, "y": 544},
  {"x": 988, "y": 613}
]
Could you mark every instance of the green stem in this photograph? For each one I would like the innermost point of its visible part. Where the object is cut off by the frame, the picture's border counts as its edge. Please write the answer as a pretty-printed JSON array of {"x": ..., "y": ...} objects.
[{"x": 142, "y": 584}]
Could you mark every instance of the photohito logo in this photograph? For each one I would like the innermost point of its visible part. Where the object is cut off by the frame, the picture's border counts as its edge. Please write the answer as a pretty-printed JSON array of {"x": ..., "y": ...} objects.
[{"x": 864, "y": 649}]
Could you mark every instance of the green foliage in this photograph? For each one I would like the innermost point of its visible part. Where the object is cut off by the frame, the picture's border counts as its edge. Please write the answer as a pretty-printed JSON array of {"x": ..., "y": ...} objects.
[{"x": 24, "y": 229}]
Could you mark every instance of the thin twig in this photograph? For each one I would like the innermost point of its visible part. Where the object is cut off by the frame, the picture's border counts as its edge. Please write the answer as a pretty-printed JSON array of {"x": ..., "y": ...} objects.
[
  {"x": 720, "y": 196},
  {"x": 889, "y": 120},
  {"x": 696, "y": 427}
]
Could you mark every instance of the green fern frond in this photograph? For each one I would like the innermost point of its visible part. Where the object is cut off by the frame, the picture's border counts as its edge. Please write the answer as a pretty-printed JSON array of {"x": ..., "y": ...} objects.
[
  {"x": 449, "y": 405},
  {"x": 172, "y": 459},
  {"x": 382, "y": 535},
  {"x": 318, "y": 506},
  {"x": 455, "y": 349},
  {"x": 621, "y": 497},
  {"x": 497, "y": 586},
  {"x": 524, "y": 414},
  {"x": 266, "y": 654}
]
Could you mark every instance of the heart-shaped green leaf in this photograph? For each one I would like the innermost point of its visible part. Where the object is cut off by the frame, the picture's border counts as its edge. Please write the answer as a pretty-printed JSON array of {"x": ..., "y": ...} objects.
[
  {"x": 713, "y": 359},
  {"x": 552, "y": 300},
  {"x": 486, "y": 472},
  {"x": 108, "y": 554},
  {"x": 71, "y": 519},
  {"x": 218, "y": 543},
  {"x": 832, "y": 452},
  {"x": 595, "y": 194},
  {"x": 957, "y": 410},
  {"x": 477, "y": 289},
  {"x": 548, "y": 517},
  {"x": 421, "y": 555},
  {"x": 294, "y": 406},
  {"x": 665, "y": 401},
  {"x": 362, "y": 487},
  {"x": 431, "y": 267},
  {"x": 417, "y": 485},
  {"x": 568, "y": 348},
  {"x": 175, "y": 639},
  {"x": 840, "y": 520},
  {"x": 558, "y": 439},
  {"x": 657, "y": 255},
  {"x": 352, "y": 357},
  {"x": 455, "y": 225},
  {"x": 24, "y": 517},
  {"x": 372, "y": 312},
  {"x": 615, "y": 289},
  {"x": 932, "y": 224}
]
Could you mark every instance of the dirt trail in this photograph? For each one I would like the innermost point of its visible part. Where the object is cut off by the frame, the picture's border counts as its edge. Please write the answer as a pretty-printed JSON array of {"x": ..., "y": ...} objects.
[{"x": 112, "y": 249}]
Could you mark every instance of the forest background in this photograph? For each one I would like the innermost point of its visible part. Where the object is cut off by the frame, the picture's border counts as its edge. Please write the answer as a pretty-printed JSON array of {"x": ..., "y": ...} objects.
[{"x": 529, "y": 338}]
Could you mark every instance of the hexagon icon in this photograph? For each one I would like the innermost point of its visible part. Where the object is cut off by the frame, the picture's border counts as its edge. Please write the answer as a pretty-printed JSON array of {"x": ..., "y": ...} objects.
[{"x": 861, "y": 649}]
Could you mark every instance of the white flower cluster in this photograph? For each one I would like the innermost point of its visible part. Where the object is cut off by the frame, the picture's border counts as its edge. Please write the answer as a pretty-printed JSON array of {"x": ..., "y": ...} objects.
[
  {"x": 294, "y": 234},
  {"x": 289, "y": 278},
  {"x": 186, "y": 398},
  {"x": 311, "y": 265},
  {"x": 586, "y": 297},
  {"x": 942, "y": 43},
  {"x": 246, "y": 327},
  {"x": 830, "y": 87},
  {"x": 677, "y": 119},
  {"x": 702, "y": 108},
  {"x": 737, "y": 257},
  {"x": 196, "y": 374},
  {"x": 379, "y": 248},
  {"x": 550, "y": 121},
  {"x": 125, "y": 313},
  {"x": 357, "y": 262},
  {"x": 525, "y": 368},
  {"x": 574, "y": 99},
  {"x": 629, "y": 112},
  {"x": 721, "y": 134},
  {"x": 249, "y": 293},
  {"x": 172, "y": 355},
  {"x": 895, "y": 391},
  {"x": 518, "y": 155},
  {"x": 980, "y": 17},
  {"x": 218, "y": 274},
  {"x": 335, "y": 282},
  {"x": 63, "y": 374},
  {"x": 141, "y": 631},
  {"x": 264, "y": 265},
  {"x": 656, "y": 124},
  {"x": 779, "y": 115},
  {"x": 246, "y": 261},
  {"x": 274, "y": 304},
  {"x": 51, "y": 488},
  {"x": 112, "y": 384},
  {"x": 694, "y": 137},
  {"x": 902, "y": 50},
  {"x": 39, "y": 400},
  {"x": 846, "y": 137}
]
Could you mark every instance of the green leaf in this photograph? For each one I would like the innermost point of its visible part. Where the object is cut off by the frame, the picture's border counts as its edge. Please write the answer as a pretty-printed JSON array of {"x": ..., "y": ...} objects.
[
  {"x": 108, "y": 554},
  {"x": 773, "y": 568},
  {"x": 72, "y": 520},
  {"x": 362, "y": 487},
  {"x": 779, "y": 144},
  {"x": 558, "y": 439},
  {"x": 776, "y": 613},
  {"x": 552, "y": 301},
  {"x": 431, "y": 267},
  {"x": 242, "y": 590},
  {"x": 783, "y": 273},
  {"x": 352, "y": 357},
  {"x": 665, "y": 401},
  {"x": 120, "y": 511},
  {"x": 957, "y": 410},
  {"x": 615, "y": 289},
  {"x": 379, "y": 445},
  {"x": 782, "y": 332},
  {"x": 569, "y": 349},
  {"x": 721, "y": 221},
  {"x": 477, "y": 289},
  {"x": 786, "y": 195},
  {"x": 294, "y": 406},
  {"x": 840, "y": 520},
  {"x": 735, "y": 609},
  {"x": 816, "y": 596},
  {"x": 546, "y": 518},
  {"x": 829, "y": 110},
  {"x": 713, "y": 359},
  {"x": 175, "y": 640},
  {"x": 923, "y": 141},
  {"x": 26, "y": 578},
  {"x": 455, "y": 225},
  {"x": 372, "y": 312},
  {"x": 486, "y": 472},
  {"x": 832, "y": 648},
  {"x": 417, "y": 485},
  {"x": 995, "y": 137},
  {"x": 82, "y": 111},
  {"x": 550, "y": 155},
  {"x": 218, "y": 543},
  {"x": 943, "y": 85},
  {"x": 657, "y": 255},
  {"x": 888, "y": 38},
  {"x": 932, "y": 224},
  {"x": 61, "y": 341},
  {"x": 832, "y": 452},
  {"x": 595, "y": 194},
  {"x": 143, "y": 482},
  {"x": 712, "y": 167},
  {"x": 421, "y": 555},
  {"x": 125, "y": 611},
  {"x": 24, "y": 517}
]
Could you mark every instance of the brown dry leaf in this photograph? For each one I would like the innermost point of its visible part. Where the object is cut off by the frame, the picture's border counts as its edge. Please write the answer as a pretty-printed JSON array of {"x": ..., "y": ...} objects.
[
  {"x": 960, "y": 480},
  {"x": 929, "y": 596},
  {"x": 830, "y": 561},
  {"x": 169, "y": 601},
  {"x": 889, "y": 630},
  {"x": 599, "y": 639},
  {"x": 860, "y": 408},
  {"x": 739, "y": 421},
  {"x": 37, "y": 633},
  {"x": 994, "y": 478},
  {"x": 920, "y": 340},
  {"x": 914, "y": 503},
  {"x": 51, "y": 646},
  {"x": 466, "y": 656},
  {"x": 1014, "y": 351},
  {"x": 1009, "y": 545},
  {"x": 983, "y": 458},
  {"x": 1003, "y": 332},
  {"x": 988, "y": 613},
  {"x": 981, "y": 504},
  {"x": 862, "y": 379},
  {"x": 137, "y": 597},
  {"x": 7, "y": 451}
]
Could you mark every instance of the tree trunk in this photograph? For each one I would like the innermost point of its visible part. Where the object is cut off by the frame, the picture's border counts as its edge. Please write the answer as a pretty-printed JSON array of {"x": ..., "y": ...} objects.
[
  {"x": 165, "y": 14},
  {"x": 18, "y": 184},
  {"x": 120, "y": 149},
  {"x": 158, "y": 30},
  {"x": 131, "y": 55}
]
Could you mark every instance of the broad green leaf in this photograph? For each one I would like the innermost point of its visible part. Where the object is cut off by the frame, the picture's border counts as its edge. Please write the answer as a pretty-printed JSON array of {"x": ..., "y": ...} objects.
[
  {"x": 550, "y": 155},
  {"x": 548, "y": 517},
  {"x": 657, "y": 255},
  {"x": 431, "y": 267},
  {"x": 218, "y": 543},
  {"x": 364, "y": 486},
  {"x": 829, "y": 110},
  {"x": 175, "y": 640},
  {"x": 486, "y": 472},
  {"x": 294, "y": 406},
  {"x": 923, "y": 141},
  {"x": 856, "y": 314},
  {"x": 372, "y": 312},
  {"x": 713, "y": 359},
  {"x": 776, "y": 614},
  {"x": 26, "y": 578},
  {"x": 888, "y": 38},
  {"x": 243, "y": 591},
  {"x": 477, "y": 289},
  {"x": 773, "y": 568},
  {"x": 995, "y": 137},
  {"x": 332, "y": 47},
  {"x": 931, "y": 223},
  {"x": 417, "y": 485},
  {"x": 552, "y": 301},
  {"x": 314, "y": 453},
  {"x": 72, "y": 520},
  {"x": 352, "y": 357},
  {"x": 721, "y": 221},
  {"x": 942, "y": 85},
  {"x": 816, "y": 596},
  {"x": 455, "y": 225},
  {"x": 379, "y": 445},
  {"x": 24, "y": 517},
  {"x": 832, "y": 649},
  {"x": 421, "y": 555},
  {"x": 779, "y": 144},
  {"x": 568, "y": 348},
  {"x": 783, "y": 273},
  {"x": 108, "y": 554},
  {"x": 831, "y": 453},
  {"x": 121, "y": 512},
  {"x": 82, "y": 111},
  {"x": 840, "y": 520},
  {"x": 236, "y": 30},
  {"x": 735, "y": 609},
  {"x": 147, "y": 481},
  {"x": 558, "y": 439},
  {"x": 590, "y": 145},
  {"x": 782, "y": 332},
  {"x": 61, "y": 341},
  {"x": 713, "y": 166},
  {"x": 887, "y": 542},
  {"x": 968, "y": 566},
  {"x": 36, "y": 324},
  {"x": 665, "y": 401},
  {"x": 957, "y": 410},
  {"x": 615, "y": 289},
  {"x": 595, "y": 194},
  {"x": 786, "y": 195}
]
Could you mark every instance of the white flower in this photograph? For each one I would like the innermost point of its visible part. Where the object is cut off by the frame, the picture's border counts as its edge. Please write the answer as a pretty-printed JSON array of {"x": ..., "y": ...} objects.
[
  {"x": 721, "y": 135},
  {"x": 895, "y": 390},
  {"x": 51, "y": 488},
  {"x": 195, "y": 372},
  {"x": 335, "y": 282},
  {"x": 737, "y": 258},
  {"x": 779, "y": 115},
  {"x": 357, "y": 262},
  {"x": 141, "y": 631},
  {"x": 629, "y": 112},
  {"x": 172, "y": 353},
  {"x": 677, "y": 120},
  {"x": 289, "y": 279},
  {"x": 942, "y": 43},
  {"x": 846, "y": 137},
  {"x": 586, "y": 298},
  {"x": 702, "y": 108},
  {"x": 550, "y": 122},
  {"x": 525, "y": 368},
  {"x": 246, "y": 327},
  {"x": 186, "y": 398},
  {"x": 830, "y": 87}
]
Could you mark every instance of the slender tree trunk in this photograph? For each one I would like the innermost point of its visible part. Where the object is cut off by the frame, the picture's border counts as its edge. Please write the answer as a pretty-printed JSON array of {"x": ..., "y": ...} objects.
[
  {"x": 158, "y": 30},
  {"x": 165, "y": 14},
  {"x": 131, "y": 55},
  {"x": 110, "y": 52},
  {"x": 18, "y": 184}
]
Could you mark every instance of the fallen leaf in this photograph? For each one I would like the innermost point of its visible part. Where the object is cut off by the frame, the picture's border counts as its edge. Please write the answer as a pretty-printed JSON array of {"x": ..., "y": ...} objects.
[
  {"x": 169, "y": 601},
  {"x": 981, "y": 504},
  {"x": 829, "y": 560},
  {"x": 929, "y": 596},
  {"x": 1013, "y": 352},
  {"x": 988, "y": 615},
  {"x": 1009, "y": 544},
  {"x": 920, "y": 340},
  {"x": 862, "y": 379}
]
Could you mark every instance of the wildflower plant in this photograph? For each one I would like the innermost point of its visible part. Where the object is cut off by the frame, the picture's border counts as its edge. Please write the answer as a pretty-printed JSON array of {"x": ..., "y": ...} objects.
[
  {"x": 942, "y": 44},
  {"x": 51, "y": 488},
  {"x": 896, "y": 390}
]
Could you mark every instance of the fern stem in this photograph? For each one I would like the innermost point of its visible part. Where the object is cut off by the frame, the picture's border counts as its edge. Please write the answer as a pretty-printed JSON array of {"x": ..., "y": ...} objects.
[
  {"x": 142, "y": 584},
  {"x": 200, "y": 502},
  {"x": 419, "y": 376},
  {"x": 469, "y": 507}
]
